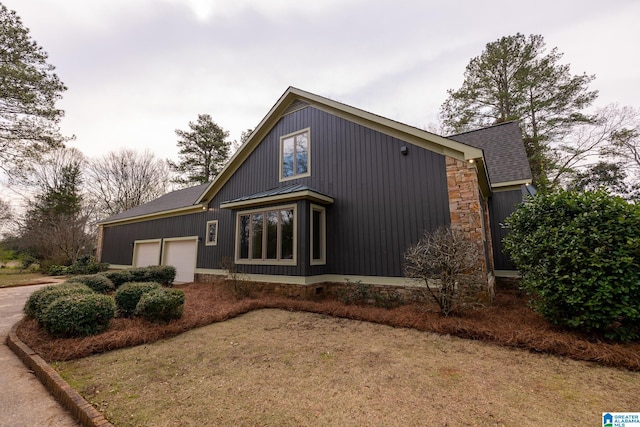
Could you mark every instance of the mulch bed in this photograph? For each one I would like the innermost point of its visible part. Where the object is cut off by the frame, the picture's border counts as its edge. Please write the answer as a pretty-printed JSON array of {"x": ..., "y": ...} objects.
[{"x": 508, "y": 322}]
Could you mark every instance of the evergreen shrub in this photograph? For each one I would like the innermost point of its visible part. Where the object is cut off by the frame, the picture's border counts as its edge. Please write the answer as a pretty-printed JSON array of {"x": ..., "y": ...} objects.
[
  {"x": 78, "y": 315},
  {"x": 128, "y": 295},
  {"x": 98, "y": 282},
  {"x": 161, "y": 305},
  {"x": 39, "y": 300},
  {"x": 579, "y": 255}
]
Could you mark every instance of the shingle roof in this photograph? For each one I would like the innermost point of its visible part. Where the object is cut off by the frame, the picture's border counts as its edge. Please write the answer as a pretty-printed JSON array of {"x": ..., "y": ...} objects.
[
  {"x": 504, "y": 151},
  {"x": 170, "y": 201}
]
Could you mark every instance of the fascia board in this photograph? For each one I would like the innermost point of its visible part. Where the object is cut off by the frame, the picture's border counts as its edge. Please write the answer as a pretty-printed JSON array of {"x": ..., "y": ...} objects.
[{"x": 156, "y": 215}]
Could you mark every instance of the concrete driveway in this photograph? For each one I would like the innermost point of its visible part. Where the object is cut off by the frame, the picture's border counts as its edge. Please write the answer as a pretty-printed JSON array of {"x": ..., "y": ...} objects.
[{"x": 24, "y": 402}]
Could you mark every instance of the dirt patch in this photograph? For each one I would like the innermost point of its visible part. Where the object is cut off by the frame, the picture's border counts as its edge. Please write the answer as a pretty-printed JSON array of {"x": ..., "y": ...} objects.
[{"x": 508, "y": 322}]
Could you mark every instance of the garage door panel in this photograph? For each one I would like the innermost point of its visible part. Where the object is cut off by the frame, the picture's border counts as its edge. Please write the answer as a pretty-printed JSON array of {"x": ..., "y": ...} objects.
[
  {"x": 181, "y": 254},
  {"x": 146, "y": 254}
]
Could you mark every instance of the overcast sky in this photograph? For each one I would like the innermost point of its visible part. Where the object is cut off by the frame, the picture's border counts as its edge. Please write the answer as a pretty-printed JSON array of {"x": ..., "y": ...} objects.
[{"x": 136, "y": 70}]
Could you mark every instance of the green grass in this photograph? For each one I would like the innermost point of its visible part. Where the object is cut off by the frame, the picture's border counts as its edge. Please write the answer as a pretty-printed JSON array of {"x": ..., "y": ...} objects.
[{"x": 13, "y": 277}]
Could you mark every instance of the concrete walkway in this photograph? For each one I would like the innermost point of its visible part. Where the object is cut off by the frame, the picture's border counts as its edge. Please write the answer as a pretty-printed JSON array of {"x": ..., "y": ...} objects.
[{"x": 24, "y": 401}]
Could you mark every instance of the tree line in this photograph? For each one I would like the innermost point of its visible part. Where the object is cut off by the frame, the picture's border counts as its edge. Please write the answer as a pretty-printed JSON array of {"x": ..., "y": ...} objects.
[{"x": 569, "y": 144}]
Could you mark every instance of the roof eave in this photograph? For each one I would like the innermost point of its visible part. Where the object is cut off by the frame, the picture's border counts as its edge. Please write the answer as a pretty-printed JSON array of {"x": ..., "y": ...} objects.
[{"x": 155, "y": 215}]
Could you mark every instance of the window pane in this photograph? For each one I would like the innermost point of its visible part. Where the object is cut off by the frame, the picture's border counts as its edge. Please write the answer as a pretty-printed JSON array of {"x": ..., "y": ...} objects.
[
  {"x": 244, "y": 237},
  {"x": 212, "y": 232},
  {"x": 256, "y": 236},
  {"x": 287, "y": 157},
  {"x": 317, "y": 235},
  {"x": 302, "y": 153},
  {"x": 272, "y": 235},
  {"x": 286, "y": 233}
]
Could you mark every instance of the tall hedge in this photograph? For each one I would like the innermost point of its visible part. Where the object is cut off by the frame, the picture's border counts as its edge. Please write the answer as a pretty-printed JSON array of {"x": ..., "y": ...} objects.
[{"x": 579, "y": 255}]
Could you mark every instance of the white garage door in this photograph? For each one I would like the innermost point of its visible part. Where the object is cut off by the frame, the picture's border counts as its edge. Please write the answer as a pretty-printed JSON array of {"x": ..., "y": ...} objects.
[
  {"x": 146, "y": 253},
  {"x": 182, "y": 255}
]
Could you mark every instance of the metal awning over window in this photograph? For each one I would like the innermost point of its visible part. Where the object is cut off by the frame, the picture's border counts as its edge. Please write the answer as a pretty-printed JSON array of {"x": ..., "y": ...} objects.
[{"x": 279, "y": 195}]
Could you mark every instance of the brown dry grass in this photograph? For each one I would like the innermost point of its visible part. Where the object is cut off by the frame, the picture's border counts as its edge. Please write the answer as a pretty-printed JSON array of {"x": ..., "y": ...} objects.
[
  {"x": 282, "y": 368},
  {"x": 508, "y": 322}
]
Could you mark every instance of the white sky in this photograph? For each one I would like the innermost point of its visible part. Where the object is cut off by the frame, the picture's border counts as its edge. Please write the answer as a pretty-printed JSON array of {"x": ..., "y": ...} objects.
[{"x": 139, "y": 69}]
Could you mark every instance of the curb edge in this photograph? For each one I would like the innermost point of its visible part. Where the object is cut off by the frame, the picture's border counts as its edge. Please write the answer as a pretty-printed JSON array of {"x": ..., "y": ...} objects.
[{"x": 70, "y": 399}]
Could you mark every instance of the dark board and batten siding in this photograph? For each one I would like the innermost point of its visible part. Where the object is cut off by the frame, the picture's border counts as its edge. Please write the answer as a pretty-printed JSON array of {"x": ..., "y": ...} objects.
[
  {"x": 383, "y": 200},
  {"x": 118, "y": 240},
  {"x": 501, "y": 205}
]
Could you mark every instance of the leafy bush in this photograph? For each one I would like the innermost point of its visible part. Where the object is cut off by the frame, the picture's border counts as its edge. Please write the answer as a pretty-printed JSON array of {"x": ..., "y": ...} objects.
[
  {"x": 447, "y": 261},
  {"x": 38, "y": 301},
  {"x": 58, "y": 270},
  {"x": 579, "y": 255},
  {"x": 128, "y": 295},
  {"x": 355, "y": 293},
  {"x": 163, "y": 274},
  {"x": 390, "y": 299},
  {"x": 118, "y": 277},
  {"x": 84, "y": 265},
  {"x": 161, "y": 305},
  {"x": 78, "y": 315},
  {"x": 97, "y": 282}
]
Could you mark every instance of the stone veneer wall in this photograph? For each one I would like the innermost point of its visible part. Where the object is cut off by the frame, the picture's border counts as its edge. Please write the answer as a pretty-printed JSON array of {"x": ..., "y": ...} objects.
[
  {"x": 464, "y": 205},
  {"x": 99, "y": 244}
]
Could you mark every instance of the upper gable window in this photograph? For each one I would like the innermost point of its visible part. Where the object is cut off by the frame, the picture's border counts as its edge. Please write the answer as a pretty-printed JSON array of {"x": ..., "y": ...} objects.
[{"x": 295, "y": 161}]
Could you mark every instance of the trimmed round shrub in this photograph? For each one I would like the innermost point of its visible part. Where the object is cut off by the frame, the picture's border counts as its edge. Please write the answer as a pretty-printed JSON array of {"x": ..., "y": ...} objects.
[
  {"x": 58, "y": 270},
  {"x": 128, "y": 295},
  {"x": 39, "y": 300},
  {"x": 118, "y": 277},
  {"x": 579, "y": 255},
  {"x": 98, "y": 282},
  {"x": 79, "y": 315},
  {"x": 163, "y": 274},
  {"x": 161, "y": 305}
]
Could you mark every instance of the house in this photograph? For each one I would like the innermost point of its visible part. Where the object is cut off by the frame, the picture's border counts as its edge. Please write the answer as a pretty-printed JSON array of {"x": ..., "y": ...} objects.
[{"x": 323, "y": 192}]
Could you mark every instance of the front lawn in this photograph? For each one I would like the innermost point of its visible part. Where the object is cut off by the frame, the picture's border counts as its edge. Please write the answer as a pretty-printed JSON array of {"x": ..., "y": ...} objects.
[
  {"x": 283, "y": 368},
  {"x": 327, "y": 363},
  {"x": 13, "y": 277}
]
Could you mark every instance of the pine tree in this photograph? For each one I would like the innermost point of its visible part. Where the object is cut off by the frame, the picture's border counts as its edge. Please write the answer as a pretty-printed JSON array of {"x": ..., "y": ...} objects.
[
  {"x": 29, "y": 89},
  {"x": 203, "y": 151},
  {"x": 515, "y": 78}
]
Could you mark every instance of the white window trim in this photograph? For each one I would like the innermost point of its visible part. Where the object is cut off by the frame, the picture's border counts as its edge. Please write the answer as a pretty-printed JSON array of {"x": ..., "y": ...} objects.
[
  {"x": 206, "y": 238},
  {"x": 293, "y": 261},
  {"x": 280, "y": 153},
  {"x": 323, "y": 235}
]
